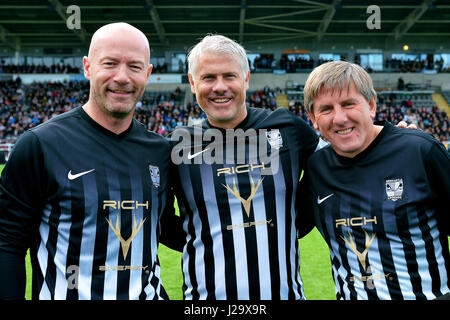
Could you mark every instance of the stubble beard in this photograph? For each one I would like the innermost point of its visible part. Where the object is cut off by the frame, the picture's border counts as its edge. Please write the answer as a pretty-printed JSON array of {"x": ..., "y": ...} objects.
[{"x": 117, "y": 112}]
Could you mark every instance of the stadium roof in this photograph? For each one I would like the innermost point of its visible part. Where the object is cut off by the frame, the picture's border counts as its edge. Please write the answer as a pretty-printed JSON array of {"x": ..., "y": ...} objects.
[{"x": 42, "y": 24}]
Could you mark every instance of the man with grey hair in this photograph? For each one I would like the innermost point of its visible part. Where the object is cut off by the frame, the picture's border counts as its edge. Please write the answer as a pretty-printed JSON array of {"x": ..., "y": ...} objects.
[
  {"x": 85, "y": 190},
  {"x": 379, "y": 193},
  {"x": 239, "y": 216},
  {"x": 224, "y": 111}
]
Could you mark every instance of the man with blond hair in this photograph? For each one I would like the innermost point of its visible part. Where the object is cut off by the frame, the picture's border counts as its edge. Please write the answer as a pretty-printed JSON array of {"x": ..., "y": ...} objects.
[
  {"x": 85, "y": 190},
  {"x": 380, "y": 193}
]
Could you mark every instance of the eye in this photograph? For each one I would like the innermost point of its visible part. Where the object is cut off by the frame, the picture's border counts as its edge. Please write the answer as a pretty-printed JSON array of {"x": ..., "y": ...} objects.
[
  {"x": 208, "y": 78},
  {"x": 109, "y": 64},
  {"x": 325, "y": 109},
  {"x": 136, "y": 67},
  {"x": 348, "y": 103}
]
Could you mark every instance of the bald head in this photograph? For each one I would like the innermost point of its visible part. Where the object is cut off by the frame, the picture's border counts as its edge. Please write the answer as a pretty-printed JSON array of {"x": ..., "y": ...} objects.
[
  {"x": 117, "y": 32},
  {"x": 118, "y": 68}
]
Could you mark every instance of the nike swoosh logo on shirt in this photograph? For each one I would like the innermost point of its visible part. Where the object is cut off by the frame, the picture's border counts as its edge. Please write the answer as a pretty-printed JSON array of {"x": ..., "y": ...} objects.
[
  {"x": 319, "y": 201},
  {"x": 190, "y": 156},
  {"x": 71, "y": 176}
]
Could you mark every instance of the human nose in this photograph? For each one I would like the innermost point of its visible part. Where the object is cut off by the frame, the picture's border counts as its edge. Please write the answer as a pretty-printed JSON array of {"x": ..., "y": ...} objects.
[
  {"x": 121, "y": 75},
  {"x": 220, "y": 85},
  {"x": 340, "y": 116}
]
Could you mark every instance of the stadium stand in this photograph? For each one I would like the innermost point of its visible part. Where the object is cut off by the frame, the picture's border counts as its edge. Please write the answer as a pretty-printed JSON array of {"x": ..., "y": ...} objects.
[
  {"x": 418, "y": 109},
  {"x": 446, "y": 95},
  {"x": 263, "y": 63},
  {"x": 41, "y": 72},
  {"x": 32, "y": 68},
  {"x": 23, "y": 106}
]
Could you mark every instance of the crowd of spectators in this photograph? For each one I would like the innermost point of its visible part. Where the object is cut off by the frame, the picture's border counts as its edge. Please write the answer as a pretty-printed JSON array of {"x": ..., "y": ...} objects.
[
  {"x": 41, "y": 68},
  {"x": 25, "y": 106},
  {"x": 416, "y": 65},
  {"x": 264, "y": 63},
  {"x": 427, "y": 118},
  {"x": 397, "y": 65},
  {"x": 264, "y": 98},
  {"x": 157, "y": 68},
  {"x": 292, "y": 64},
  {"x": 163, "y": 117},
  {"x": 297, "y": 108}
]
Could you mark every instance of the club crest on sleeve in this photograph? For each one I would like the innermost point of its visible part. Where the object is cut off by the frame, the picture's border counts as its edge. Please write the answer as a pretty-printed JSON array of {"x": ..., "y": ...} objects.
[
  {"x": 274, "y": 138},
  {"x": 394, "y": 189},
  {"x": 154, "y": 174}
]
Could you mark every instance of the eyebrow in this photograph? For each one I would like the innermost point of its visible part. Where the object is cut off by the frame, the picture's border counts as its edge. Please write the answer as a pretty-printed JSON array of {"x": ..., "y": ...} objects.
[
  {"x": 115, "y": 59},
  {"x": 216, "y": 74},
  {"x": 324, "y": 106},
  {"x": 349, "y": 100},
  {"x": 340, "y": 102}
]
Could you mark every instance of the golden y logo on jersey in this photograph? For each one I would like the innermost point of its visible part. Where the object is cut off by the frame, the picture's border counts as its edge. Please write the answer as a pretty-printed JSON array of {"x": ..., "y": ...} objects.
[
  {"x": 245, "y": 168},
  {"x": 125, "y": 244},
  {"x": 371, "y": 274},
  {"x": 361, "y": 255},
  {"x": 245, "y": 202}
]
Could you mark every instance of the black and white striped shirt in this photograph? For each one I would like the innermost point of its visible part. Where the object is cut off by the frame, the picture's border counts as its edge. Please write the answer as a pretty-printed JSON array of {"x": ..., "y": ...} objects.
[
  {"x": 384, "y": 215},
  {"x": 239, "y": 215},
  {"x": 87, "y": 202}
]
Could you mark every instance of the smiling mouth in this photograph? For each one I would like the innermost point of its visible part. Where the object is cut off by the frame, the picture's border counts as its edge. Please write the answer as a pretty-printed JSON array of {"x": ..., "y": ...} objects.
[
  {"x": 120, "y": 91},
  {"x": 344, "y": 131},
  {"x": 220, "y": 100}
]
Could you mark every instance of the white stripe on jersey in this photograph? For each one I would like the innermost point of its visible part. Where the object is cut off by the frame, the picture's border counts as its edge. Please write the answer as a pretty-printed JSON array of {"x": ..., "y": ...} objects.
[
  {"x": 376, "y": 266},
  {"x": 154, "y": 246},
  {"x": 340, "y": 272},
  {"x": 239, "y": 242},
  {"x": 113, "y": 248},
  {"x": 137, "y": 244},
  {"x": 398, "y": 254},
  {"x": 42, "y": 253},
  {"x": 87, "y": 245},
  {"x": 262, "y": 239},
  {"x": 295, "y": 250},
  {"x": 185, "y": 262},
  {"x": 421, "y": 254},
  {"x": 62, "y": 246},
  {"x": 199, "y": 257},
  {"x": 216, "y": 233},
  {"x": 438, "y": 250},
  {"x": 280, "y": 204},
  {"x": 187, "y": 187}
]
